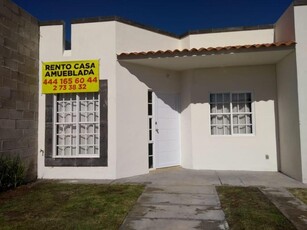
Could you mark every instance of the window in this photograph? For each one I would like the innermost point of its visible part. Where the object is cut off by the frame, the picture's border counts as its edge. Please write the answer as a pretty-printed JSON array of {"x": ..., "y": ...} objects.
[
  {"x": 76, "y": 126},
  {"x": 150, "y": 120},
  {"x": 231, "y": 113}
]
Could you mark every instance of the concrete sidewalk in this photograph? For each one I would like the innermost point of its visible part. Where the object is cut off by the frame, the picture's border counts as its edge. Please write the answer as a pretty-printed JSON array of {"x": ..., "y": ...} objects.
[
  {"x": 177, "y": 198},
  {"x": 178, "y": 176},
  {"x": 177, "y": 207}
]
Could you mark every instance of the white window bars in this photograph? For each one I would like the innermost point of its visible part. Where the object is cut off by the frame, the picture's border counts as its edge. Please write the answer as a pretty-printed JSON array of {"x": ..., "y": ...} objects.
[
  {"x": 231, "y": 113},
  {"x": 76, "y": 125}
]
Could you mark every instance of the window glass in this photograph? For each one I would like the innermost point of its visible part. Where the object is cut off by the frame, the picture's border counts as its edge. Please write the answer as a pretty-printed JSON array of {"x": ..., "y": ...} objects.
[
  {"x": 150, "y": 126},
  {"x": 231, "y": 113}
]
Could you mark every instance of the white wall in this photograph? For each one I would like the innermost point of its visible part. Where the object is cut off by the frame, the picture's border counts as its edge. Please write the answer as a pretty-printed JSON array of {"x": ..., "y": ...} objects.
[
  {"x": 133, "y": 83},
  {"x": 300, "y": 19},
  {"x": 289, "y": 133},
  {"x": 234, "y": 152},
  {"x": 186, "y": 129},
  {"x": 185, "y": 43},
  {"x": 89, "y": 41},
  {"x": 246, "y": 37},
  {"x": 284, "y": 27},
  {"x": 51, "y": 41},
  {"x": 134, "y": 39}
]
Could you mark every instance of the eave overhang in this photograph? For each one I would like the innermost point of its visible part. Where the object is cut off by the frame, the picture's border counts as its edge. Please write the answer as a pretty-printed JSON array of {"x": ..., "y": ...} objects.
[{"x": 255, "y": 54}]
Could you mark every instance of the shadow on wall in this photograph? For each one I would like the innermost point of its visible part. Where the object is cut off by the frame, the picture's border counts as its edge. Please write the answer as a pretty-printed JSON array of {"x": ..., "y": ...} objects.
[
  {"x": 195, "y": 86},
  {"x": 157, "y": 80}
]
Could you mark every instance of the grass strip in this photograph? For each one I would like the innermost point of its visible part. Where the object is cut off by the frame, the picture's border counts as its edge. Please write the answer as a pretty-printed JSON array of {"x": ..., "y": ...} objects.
[
  {"x": 51, "y": 205},
  {"x": 248, "y": 208},
  {"x": 300, "y": 193}
]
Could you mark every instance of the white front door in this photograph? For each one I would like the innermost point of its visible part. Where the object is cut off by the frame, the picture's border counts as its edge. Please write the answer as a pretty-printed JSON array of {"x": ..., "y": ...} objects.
[{"x": 167, "y": 130}]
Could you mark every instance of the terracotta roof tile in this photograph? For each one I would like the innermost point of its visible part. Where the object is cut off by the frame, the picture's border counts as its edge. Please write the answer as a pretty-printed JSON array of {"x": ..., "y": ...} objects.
[{"x": 204, "y": 50}]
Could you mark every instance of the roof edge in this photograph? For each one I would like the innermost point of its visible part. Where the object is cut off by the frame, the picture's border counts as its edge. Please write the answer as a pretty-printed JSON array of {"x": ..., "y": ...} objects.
[
  {"x": 159, "y": 53},
  {"x": 299, "y": 2},
  {"x": 228, "y": 29},
  {"x": 125, "y": 21},
  {"x": 52, "y": 23}
]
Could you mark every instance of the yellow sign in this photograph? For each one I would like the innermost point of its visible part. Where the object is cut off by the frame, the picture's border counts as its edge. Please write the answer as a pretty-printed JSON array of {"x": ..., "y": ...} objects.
[{"x": 70, "y": 77}]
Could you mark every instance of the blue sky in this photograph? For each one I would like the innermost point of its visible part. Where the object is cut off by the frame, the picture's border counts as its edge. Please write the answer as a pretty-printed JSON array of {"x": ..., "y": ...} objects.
[{"x": 175, "y": 16}]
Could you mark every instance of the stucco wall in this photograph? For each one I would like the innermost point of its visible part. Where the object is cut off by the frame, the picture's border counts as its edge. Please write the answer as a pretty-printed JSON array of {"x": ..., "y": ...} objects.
[
  {"x": 186, "y": 129},
  {"x": 232, "y": 38},
  {"x": 300, "y": 18},
  {"x": 89, "y": 41},
  {"x": 233, "y": 152},
  {"x": 289, "y": 134},
  {"x": 284, "y": 27},
  {"x": 133, "y": 39},
  {"x": 19, "y": 37}
]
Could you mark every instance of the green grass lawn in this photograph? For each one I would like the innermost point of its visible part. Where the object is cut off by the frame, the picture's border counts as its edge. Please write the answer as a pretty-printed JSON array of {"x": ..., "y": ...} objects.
[
  {"x": 248, "y": 208},
  {"x": 300, "y": 193},
  {"x": 50, "y": 205}
]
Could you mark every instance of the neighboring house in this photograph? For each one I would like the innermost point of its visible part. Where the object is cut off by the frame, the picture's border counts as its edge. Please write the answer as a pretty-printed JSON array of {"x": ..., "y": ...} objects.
[
  {"x": 19, "y": 44},
  {"x": 230, "y": 99}
]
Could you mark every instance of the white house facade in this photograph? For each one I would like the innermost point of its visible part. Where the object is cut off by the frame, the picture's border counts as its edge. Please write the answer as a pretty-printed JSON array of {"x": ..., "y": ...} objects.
[{"x": 232, "y": 99}]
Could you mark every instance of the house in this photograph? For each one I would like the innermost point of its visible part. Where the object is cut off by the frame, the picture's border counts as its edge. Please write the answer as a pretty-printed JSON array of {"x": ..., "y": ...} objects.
[{"x": 229, "y": 99}]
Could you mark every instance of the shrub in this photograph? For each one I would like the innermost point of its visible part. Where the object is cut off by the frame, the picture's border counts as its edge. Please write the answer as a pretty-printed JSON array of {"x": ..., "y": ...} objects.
[{"x": 11, "y": 172}]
